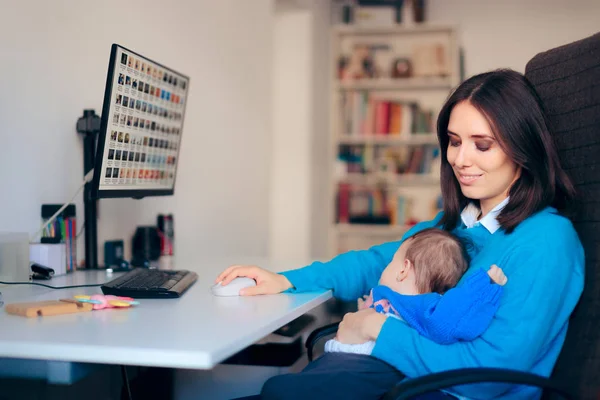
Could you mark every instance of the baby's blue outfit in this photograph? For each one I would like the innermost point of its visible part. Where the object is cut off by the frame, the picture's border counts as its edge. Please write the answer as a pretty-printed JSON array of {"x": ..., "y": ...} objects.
[{"x": 461, "y": 314}]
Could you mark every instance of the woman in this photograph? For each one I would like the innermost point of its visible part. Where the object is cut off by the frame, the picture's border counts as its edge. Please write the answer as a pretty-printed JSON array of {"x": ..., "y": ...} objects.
[{"x": 502, "y": 185}]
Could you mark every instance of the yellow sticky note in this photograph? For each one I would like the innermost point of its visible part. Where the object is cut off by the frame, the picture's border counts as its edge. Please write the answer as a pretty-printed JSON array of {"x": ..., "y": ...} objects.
[{"x": 117, "y": 303}]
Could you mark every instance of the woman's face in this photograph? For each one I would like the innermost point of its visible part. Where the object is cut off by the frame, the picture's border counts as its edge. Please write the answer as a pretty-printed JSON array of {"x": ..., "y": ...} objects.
[{"x": 482, "y": 168}]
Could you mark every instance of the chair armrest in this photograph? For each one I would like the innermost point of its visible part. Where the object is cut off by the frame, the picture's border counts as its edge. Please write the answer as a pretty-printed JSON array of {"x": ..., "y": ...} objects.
[
  {"x": 317, "y": 335},
  {"x": 447, "y": 379}
]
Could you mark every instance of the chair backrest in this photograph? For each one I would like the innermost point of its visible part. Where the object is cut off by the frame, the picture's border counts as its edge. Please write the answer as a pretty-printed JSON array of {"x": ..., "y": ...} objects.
[{"x": 567, "y": 79}]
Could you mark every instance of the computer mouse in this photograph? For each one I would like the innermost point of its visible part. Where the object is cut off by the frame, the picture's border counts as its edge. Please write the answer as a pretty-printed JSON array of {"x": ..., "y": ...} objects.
[{"x": 232, "y": 288}]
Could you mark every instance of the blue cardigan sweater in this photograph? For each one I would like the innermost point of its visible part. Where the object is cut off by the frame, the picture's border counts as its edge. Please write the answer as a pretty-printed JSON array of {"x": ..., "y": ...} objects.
[{"x": 543, "y": 258}]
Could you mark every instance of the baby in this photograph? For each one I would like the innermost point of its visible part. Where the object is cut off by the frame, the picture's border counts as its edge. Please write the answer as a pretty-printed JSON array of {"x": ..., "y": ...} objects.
[{"x": 418, "y": 286}]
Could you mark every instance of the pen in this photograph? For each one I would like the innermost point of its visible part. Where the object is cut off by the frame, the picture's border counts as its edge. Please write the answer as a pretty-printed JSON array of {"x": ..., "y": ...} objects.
[
  {"x": 62, "y": 228},
  {"x": 69, "y": 244}
]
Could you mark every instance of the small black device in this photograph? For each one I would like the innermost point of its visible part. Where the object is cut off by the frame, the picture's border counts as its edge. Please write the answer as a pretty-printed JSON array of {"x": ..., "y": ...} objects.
[
  {"x": 143, "y": 283},
  {"x": 114, "y": 252}
]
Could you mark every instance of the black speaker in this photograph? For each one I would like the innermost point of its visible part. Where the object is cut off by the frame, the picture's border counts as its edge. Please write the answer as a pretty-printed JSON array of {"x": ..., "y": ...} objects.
[{"x": 145, "y": 246}]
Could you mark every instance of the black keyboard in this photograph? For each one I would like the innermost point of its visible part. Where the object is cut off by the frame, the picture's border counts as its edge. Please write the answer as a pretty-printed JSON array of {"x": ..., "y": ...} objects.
[{"x": 143, "y": 283}]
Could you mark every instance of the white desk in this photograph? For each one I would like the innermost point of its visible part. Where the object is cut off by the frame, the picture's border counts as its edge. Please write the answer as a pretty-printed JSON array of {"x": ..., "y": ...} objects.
[{"x": 196, "y": 331}]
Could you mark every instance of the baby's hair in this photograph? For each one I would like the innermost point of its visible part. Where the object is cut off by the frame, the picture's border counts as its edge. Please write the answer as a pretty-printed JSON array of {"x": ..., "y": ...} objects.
[{"x": 439, "y": 258}]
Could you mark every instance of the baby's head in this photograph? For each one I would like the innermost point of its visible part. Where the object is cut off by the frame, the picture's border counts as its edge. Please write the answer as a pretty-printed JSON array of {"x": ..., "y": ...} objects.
[{"x": 432, "y": 260}]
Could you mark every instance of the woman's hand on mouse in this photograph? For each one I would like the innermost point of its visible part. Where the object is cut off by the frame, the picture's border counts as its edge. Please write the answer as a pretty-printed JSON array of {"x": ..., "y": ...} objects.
[{"x": 267, "y": 282}]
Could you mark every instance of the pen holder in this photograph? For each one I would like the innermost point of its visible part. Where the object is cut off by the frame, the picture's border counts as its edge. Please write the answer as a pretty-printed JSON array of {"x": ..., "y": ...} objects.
[
  {"x": 51, "y": 255},
  {"x": 63, "y": 229}
]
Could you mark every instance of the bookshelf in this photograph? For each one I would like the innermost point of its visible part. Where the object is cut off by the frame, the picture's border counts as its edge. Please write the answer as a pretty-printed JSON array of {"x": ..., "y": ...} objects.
[{"x": 388, "y": 86}]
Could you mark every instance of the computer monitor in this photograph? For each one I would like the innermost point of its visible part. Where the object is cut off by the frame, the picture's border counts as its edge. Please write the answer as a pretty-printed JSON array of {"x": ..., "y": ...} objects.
[{"x": 141, "y": 127}]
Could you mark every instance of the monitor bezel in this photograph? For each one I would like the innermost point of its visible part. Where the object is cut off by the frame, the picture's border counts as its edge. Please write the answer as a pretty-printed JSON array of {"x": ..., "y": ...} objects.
[{"x": 128, "y": 193}]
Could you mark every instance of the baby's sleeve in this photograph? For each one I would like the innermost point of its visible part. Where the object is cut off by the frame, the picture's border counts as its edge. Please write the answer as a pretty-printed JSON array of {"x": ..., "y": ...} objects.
[{"x": 462, "y": 313}]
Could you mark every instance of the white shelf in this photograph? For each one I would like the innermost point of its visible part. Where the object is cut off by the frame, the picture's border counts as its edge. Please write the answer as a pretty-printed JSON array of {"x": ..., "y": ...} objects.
[
  {"x": 393, "y": 29},
  {"x": 366, "y": 229},
  {"x": 417, "y": 139},
  {"x": 391, "y": 180},
  {"x": 433, "y": 82}
]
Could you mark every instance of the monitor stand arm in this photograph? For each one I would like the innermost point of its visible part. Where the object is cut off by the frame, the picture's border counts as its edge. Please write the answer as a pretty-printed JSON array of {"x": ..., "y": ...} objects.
[{"x": 89, "y": 127}]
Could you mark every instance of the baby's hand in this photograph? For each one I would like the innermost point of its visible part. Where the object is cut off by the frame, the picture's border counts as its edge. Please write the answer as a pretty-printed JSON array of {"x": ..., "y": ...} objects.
[
  {"x": 362, "y": 302},
  {"x": 497, "y": 275}
]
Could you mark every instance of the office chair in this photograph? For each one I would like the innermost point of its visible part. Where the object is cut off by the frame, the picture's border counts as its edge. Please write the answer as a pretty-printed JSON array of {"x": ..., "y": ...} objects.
[{"x": 567, "y": 79}]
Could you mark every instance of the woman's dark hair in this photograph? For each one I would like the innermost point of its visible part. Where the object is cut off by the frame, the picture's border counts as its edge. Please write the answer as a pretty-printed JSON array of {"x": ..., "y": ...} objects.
[{"x": 518, "y": 121}]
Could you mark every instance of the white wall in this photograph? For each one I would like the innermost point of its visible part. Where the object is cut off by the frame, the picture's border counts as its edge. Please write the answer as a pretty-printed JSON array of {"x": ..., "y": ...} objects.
[
  {"x": 300, "y": 131},
  {"x": 292, "y": 99},
  {"x": 54, "y": 58},
  {"x": 509, "y": 33},
  {"x": 320, "y": 139}
]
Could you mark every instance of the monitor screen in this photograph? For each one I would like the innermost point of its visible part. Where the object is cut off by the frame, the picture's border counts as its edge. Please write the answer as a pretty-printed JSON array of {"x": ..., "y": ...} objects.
[{"x": 141, "y": 127}]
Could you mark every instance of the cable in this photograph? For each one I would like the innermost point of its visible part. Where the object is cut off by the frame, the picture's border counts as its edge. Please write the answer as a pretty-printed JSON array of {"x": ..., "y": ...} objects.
[
  {"x": 48, "y": 286},
  {"x": 126, "y": 382},
  {"x": 88, "y": 178},
  {"x": 80, "y": 230}
]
